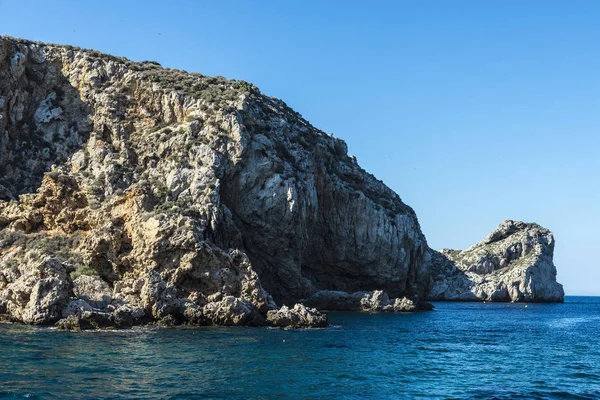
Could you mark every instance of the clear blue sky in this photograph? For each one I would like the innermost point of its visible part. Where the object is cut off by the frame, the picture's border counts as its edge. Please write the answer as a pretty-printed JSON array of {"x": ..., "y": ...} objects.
[{"x": 473, "y": 111}]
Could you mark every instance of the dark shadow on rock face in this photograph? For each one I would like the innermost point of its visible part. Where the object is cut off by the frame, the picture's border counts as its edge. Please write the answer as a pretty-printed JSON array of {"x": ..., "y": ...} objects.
[
  {"x": 43, "y": 120},
  {"x": 311, "y": 219}
]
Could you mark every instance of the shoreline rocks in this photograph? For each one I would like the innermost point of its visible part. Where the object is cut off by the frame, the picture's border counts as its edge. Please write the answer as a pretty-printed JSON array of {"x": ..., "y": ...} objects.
[{"x": 375, "y": 301}]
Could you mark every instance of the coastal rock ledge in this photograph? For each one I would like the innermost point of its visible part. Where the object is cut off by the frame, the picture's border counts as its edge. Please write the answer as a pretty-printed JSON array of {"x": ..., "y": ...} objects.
[
  {"x": 132, "y": 194},
  {"x": 514, "y": 263}
]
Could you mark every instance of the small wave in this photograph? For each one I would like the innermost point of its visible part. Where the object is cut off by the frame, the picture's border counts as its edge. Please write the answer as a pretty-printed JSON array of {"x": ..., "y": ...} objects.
[
  {"x": 550, "y": 395},
  {"x": 569, "y": 322},
  {"x": 585, "y": 375},
  {"x": 567, "y": 395},
  {"x": 12, "y": 395},
  {"x": 434, "y": 349},
  {"x": 336, "y": 346},
  {"x": 351, "y": 377}
]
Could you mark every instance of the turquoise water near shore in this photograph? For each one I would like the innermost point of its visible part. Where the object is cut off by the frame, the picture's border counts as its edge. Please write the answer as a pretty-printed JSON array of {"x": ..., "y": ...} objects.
[{"x": 458, "y": 351}]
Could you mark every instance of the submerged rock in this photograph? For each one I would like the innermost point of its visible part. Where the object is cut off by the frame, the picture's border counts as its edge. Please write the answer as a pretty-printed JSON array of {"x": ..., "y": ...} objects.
[{"x": 514, "y": 263}]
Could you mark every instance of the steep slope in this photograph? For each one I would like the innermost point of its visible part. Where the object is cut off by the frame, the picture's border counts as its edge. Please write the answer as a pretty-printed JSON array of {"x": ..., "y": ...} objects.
[
  {"x": 514, "y": 263},
  {"x": 130, "y": 193}
]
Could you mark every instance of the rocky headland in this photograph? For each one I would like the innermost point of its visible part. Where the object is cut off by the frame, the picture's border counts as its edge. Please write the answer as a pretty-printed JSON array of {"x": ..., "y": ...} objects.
[{"x": 134, "y": 194}]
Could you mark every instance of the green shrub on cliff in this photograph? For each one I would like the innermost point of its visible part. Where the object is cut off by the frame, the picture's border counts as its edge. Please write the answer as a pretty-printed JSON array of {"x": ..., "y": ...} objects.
[
  {"x": 245, "y": 86},
  {"x": 81, "y": 269},
  {"x": 62, "y": 247}
]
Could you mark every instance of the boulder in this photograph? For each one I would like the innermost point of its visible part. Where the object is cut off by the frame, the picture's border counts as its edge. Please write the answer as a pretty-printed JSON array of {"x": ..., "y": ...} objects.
[
  {"x": 39, "y": 292},
  {"x": 233, "y": 311},
  {"x": 299, "y": 316}
]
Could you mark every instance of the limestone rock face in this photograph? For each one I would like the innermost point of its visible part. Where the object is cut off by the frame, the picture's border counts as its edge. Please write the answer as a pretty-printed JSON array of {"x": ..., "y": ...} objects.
[
  {"x": 180, "y": 198},
  {"x": 93, "y": 290},
  {"x": 35, "y": 292},
  {"x": 514, "y": 263}
]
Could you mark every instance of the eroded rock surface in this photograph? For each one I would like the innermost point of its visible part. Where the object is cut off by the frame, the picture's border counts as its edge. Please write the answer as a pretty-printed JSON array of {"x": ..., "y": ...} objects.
[
  {"x": 297, "y": 317},
  {"x": 514, "y": 263},
  {"x": 159, "y": 196}
]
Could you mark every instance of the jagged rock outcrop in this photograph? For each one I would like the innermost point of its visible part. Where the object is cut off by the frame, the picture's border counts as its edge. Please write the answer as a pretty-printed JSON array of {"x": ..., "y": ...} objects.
[
  {"x": 297, "y": 317},
  {"x": 37, "y": 291},
  {"x": 514, "y": 263},
  {"x": 163, "y": 196}
]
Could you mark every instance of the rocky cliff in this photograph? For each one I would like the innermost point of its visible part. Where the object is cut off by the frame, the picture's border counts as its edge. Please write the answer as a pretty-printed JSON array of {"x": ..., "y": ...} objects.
[
  {"x": 514, "y": 263},
  {"x": 131, "y": 194}
]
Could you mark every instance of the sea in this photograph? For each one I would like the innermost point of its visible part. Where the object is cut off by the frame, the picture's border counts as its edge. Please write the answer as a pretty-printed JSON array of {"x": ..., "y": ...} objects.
[{"x": 457, "y": 351}]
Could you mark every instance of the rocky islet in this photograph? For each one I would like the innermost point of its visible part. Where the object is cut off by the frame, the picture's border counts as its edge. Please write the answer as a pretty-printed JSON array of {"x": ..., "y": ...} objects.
[{"x": 513, "y": 263}]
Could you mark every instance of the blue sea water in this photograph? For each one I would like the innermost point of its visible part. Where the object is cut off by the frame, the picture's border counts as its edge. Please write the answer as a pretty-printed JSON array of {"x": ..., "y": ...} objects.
[{"x": 458, "y": 351}]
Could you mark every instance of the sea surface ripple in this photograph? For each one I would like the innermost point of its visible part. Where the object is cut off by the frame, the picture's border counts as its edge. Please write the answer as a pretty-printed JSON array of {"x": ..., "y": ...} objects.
[{"x": 458, "y": 351}]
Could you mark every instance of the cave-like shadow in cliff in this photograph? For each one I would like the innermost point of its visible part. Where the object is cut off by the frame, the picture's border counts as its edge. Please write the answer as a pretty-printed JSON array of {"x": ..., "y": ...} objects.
[{"x": 43, "y": 123}]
